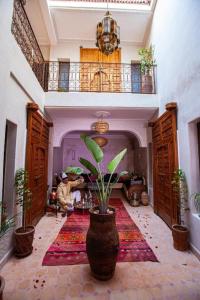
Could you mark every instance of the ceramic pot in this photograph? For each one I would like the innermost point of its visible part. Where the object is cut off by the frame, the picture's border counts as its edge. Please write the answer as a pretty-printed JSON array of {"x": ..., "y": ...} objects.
[
  {"x": 181, "y": 237},
  {"x": 144, "y": 198},
  {"x": 102, "y": 244},
  {"x": 23, "y": 241},
  {"x": 147, "y": 86}
]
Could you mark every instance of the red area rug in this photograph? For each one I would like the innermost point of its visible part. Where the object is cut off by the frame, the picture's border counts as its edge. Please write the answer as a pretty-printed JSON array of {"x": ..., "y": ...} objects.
[{"x": 69, "y": 247}]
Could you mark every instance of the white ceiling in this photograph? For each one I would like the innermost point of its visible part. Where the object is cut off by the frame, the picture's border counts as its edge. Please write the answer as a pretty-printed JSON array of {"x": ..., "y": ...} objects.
[
  {"x": 90, "y": 113},
  {"x": 57, "y": 24}
]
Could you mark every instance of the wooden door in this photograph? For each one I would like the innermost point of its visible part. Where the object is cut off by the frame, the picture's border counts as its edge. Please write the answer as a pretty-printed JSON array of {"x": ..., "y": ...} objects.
[
  {"x": 99, "y": 72},
  {"x": 37, "y": 162},
  {"x": 165, "y": 162}
]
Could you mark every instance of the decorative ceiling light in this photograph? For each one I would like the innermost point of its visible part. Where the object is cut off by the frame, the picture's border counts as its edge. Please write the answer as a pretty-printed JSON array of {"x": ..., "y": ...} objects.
[
  {"x": 100, "y": 140},
  {"x": 107, "y": 34},
  {"x": 101, "y": 126}
]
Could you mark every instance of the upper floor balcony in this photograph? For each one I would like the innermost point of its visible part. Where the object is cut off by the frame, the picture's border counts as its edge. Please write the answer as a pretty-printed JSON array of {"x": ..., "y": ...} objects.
[{"x": 65, "y": 76}]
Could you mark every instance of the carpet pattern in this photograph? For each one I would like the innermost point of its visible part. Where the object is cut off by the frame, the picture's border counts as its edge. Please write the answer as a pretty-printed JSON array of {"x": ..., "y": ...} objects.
[{"x": 69, "y": 247}]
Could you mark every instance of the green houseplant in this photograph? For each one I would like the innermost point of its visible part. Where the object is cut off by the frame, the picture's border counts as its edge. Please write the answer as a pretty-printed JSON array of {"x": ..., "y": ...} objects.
[
  {"x": 102, "y": 241},
  {"x": 196, "y": 199},
  {"x": 180, "y": 232},
  {"x": 23, "y": 236},
  {"x": 146, "y": 65},
  {"x": 6, "y": 225}
]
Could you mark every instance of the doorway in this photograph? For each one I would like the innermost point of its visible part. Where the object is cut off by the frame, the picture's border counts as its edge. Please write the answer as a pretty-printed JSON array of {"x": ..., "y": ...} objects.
[{"x": 9, "y": 170}]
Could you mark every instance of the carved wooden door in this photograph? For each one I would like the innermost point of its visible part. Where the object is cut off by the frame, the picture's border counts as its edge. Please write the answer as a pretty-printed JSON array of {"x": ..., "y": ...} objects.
[
  {"x": 99, "y": 72},
  {"x": 37, "y": 162},
  {"x": 165, "y": 162}
]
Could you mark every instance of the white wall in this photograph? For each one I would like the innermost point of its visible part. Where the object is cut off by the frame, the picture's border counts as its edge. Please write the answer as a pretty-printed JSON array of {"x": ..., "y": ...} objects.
[
  {"x": 71, "y": 50},
  {"x": 176, "y": 36},
  {"x": 18, "y": 86}
]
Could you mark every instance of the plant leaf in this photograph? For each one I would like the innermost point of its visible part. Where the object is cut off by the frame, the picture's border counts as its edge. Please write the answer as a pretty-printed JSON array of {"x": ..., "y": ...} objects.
[
  {"x": 88, "y": 165},
  {"x": 112, "y": 165},
  {"x": 74, "y": 170},
  {"x": 93, "y": 147}
]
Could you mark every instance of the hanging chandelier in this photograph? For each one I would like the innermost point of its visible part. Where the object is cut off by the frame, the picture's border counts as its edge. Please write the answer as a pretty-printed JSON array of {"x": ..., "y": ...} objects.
[
  {"x": 107, "y": 34},
  {"x": 101, "y": 126}
]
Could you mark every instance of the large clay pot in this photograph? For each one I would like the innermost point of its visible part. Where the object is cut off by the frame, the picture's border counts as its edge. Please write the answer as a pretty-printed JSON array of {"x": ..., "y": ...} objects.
[
  {"x": 181, "y": 237},
  {"x": 147, "y": 85},
  {"x": 24, "y": 241},
  {"x": 102, "y": 244},
  {"x": 2, "y": 285}
]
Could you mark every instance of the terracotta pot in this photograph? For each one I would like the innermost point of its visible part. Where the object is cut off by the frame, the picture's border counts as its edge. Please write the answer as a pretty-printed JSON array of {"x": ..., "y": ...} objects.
[
  {"x": 2, "y": 285},
  {"x": 102, "y": 244},
  {"x": 23, "y": 241},
  {"x": 147, "y": 86},
  {"x": 181, "y": 237}
]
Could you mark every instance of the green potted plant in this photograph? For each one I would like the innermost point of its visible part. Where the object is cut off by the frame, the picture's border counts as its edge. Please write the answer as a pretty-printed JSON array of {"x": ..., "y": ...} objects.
[
  {"x": 180, "y": 232},
  {"x": 6, "y": 224},
  {"x": 24, "y": 235},
  {"x": 146, "y": 65},
  {"x": 196, "y": 200},
  {"x": 102, "y": 240}
]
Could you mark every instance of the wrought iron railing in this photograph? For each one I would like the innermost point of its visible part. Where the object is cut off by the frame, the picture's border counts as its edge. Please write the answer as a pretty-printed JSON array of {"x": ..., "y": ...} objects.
[
  {"x": 99, "y": 77},
  {"x": 25, "y": 37}
]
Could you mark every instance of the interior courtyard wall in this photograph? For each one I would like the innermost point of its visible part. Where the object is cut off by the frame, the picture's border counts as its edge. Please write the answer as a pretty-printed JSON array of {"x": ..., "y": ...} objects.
[
  {"x": 71, "y": 50},
  {"x": 62, "y": 126},
  {"x": 18, "y": 86},
  {"x": 176, "y": 37}
]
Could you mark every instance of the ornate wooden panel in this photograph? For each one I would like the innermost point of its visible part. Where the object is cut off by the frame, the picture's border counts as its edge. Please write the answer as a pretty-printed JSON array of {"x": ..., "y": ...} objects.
[
  {"x": 100, "y": 72},
  {"x": 165, "y": 162},
  {"x": 37, "y": 162}
]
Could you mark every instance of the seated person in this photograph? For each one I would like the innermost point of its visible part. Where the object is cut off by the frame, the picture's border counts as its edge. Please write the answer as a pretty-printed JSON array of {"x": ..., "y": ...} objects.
[{"x": 66, "y": 196}]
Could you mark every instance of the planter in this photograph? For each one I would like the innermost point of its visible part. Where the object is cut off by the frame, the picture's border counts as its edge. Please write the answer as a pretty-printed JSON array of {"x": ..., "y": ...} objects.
[
  {"x": 147, "y": 86},
  {"x": 23, "y": 241},
  {"x": 2, "y": 285},
  {"x": 181, "y": 237},
  {"x": 102, "y": 244}
]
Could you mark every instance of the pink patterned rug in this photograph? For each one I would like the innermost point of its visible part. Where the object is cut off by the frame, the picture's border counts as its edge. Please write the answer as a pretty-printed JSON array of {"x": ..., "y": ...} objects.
[{"x": 69, "y": 247}]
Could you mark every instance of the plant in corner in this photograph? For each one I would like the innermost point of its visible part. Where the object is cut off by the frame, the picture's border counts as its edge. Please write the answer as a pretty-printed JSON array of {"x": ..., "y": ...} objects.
[
  {"x": 196, "y": 199},
  {"x": 6, "y": 225},
  {"x": 102, "y": 240},
  {"x": 180, "y": 232},
  {"x": 146, "y": 65},
  {"x": 23, "y": 236}
]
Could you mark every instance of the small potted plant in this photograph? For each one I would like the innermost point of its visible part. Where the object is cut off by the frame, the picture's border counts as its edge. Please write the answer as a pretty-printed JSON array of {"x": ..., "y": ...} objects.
[
  {"x": 24, "y": 235},
  {"x": 180, "y": 232},
  {"x": 102, "y": 240},
  {"x": 6, "y": 224},
  {"x": 146, "y": 65},
  {"x": 196, "y": 200}
]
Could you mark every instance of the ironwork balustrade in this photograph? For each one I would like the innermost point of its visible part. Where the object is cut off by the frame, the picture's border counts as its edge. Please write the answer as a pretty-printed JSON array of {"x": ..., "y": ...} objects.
[
  {"x": 99, "y": 77},
  {"x": 25, "y": 37}
]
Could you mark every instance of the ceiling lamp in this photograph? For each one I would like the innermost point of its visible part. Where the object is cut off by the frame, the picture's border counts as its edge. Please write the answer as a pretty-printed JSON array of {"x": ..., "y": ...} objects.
[
  {"x": 100, "y": 140},
  {"x": 107, "y": 34},
  {"x": 101, "y": 126}
]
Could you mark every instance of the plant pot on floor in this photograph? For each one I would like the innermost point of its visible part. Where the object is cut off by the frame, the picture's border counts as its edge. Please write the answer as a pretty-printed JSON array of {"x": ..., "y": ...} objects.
[
  {"x": 102, "y": 244},
  {"x": 2, "y": 285},
  {"x": 24, "y": 241},
  {"x": 181, "y": 237}
]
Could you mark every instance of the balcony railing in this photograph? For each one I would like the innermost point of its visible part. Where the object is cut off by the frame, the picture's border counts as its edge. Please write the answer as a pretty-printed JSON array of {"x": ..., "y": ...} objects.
[
  {"x": 99, "y": 77},
  {"x": 77, "y": 76},
  {"x": 25, "y": 37}
]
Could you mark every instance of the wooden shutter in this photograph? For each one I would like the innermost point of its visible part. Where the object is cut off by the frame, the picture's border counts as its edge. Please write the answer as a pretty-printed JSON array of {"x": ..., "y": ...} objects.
[{"x": 165, "y": 162}]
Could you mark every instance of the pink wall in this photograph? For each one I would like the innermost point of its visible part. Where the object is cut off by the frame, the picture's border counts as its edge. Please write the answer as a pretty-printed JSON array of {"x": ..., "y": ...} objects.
[{"x": 73, "y": 148}]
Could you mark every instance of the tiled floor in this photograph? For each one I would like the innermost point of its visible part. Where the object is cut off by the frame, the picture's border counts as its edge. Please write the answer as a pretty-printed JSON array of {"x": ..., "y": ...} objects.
[{"x": 176, "y": 276}]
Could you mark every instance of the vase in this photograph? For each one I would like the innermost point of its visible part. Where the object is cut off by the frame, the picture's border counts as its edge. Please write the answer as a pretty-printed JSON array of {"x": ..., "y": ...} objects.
[
  {"x": 102, "y": 243},
  {"x": 23, "y": 241},
  {"x": 181, "y": 237}
]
